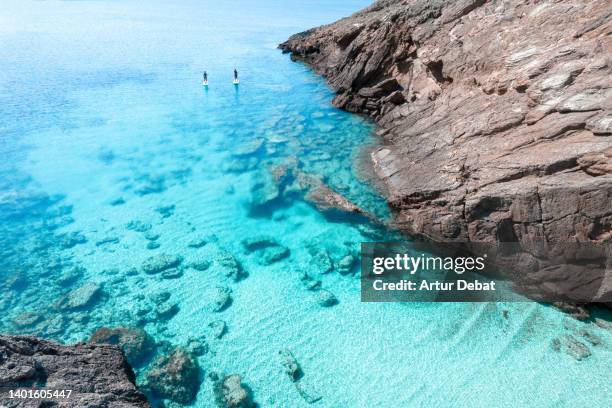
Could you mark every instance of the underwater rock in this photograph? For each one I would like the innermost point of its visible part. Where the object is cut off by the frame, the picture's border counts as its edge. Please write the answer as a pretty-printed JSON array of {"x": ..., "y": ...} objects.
[
  {"x": 166, "y": 310},
  {"x": 160, "y": 297},
  {"x": 241, "y": 165},
  {"x": 108, "y": 240},
  {"x": 172, "y": 273},
  {"x": 292, "y": 367},
  {"x": 310, "y": 283},
  {"x": 249, "y": 148},
  {"x": 230, "y": 266},
  {"x": 322, "y": 262},
  {"x": 166, "y": 210},
  {"x": 326, "y": 298},
  {"x": 266, "y": 248},
  {"x": 221, "y": 299},
  {"x": 150, "y": 184},
  {"x": 575, "y": 348},
  {"x": 231, "y": 393},
  {"x": 218, "y": 328},
  {"x": 81, "y": 297},
  {"x": 200, "y": 264},
  {"x": 71, "y": 239},
  {"x": 175, "y": 377},
  {"x": 590, "y": 337},
  {"x": 264, "y": 192},
  {"x": 197, "y": 347},
  {"x": 153, "y": 245},
  {"x": 97, "y": 374},
  {"x": 117, "y": 201},
  {"x": 151, "y": 236},
  {"x": 577, "y": 311},
  {"x": 71, "y": 275},
  {"x": 137, "y": 344},
  {"x": 161, "y": 262},
  {"x": 345, "y": 265},
  {"x": 27, "y": 319},
  {"x": 138, "y": 226},
  {"x": 328, "y": 201},
  {"x": 200, "y": 241}
]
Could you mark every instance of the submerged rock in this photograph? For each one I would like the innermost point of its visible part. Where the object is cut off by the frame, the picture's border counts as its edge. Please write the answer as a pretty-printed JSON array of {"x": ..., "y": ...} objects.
[
  {"x": 97, "y": 374},
  {"x": 322, "y": 262},
  {"x": 231, "y": 393},
  {"x": 218, "y": 328},
  {"x": 292, "y": 367},
  {"x": 27, "y": 319},
  {"x": 172, "y": 273},
  {"x": 161, "y": 262},
  {"x": 326, "y": 298},
  {"x": 175, "y": 377},
  {"x": 136, "y": 343},
  {"x": 575, "y": 348},
  {"x": 249, "y": 148},
  {"x": 266, "y": 249},
  {"x": 200, "y": 264},
  {"x": 81, "y": 297},
  {"x": 221, "y": 299},
  {"x": 166, "y": 310},
  {"x": 201, "y": 240},
  {"x": 345, "y": 265},
  {"x": 230, "y": 266},
  {"x": 310, "y": 283}
]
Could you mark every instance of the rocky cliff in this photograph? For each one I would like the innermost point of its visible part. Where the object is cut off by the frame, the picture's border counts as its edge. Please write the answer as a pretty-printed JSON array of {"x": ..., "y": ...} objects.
[
  {"x": 496, "y": 116},
  {"x": 97, "y": 374}
]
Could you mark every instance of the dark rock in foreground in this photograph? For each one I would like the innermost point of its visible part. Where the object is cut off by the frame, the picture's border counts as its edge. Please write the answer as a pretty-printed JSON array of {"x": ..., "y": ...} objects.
[
  {"x": 98, "y": 374},
  {"x": 496, "y": 117},
  {"x": 136, "y": 343}
]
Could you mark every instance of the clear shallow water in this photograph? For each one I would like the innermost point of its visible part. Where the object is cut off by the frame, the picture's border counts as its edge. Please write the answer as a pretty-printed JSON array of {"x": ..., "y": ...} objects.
[{"x": 108, "y": 139}]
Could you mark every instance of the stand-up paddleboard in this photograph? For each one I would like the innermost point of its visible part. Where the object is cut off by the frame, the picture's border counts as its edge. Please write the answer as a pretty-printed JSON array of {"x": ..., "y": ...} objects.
[
  {"x": 236, "y": 81},
  {"x": 204, "y": 83}
]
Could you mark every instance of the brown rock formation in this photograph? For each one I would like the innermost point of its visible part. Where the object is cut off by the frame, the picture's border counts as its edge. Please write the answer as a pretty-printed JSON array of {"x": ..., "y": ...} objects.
[
  {"x": 97, "y": 374},
  {"x": 496, "y": 116}
]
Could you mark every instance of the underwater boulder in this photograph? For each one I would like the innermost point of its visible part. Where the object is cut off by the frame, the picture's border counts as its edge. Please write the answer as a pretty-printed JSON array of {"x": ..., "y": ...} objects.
[
  {"x": 230, "y": 266},
  {"x": 221, "y": 299},
  {"x": 218, "y": 328},
  {"x": 292, "y": 367},
  {"x": 136, "y": 343},
  {"x": 310, "y": 283},
  {"x": 197, "y": 347},
  {"x": 80, "y": 297},
  {"x": 159, "y": 263},
  {"x": 27, "y": 319},
  {"x": 200, "y": 264},
  {"x": 166, "y": 310},
  {"x": 326, "y": 298},
  {"x": 201, "y": 240},
  {"x": 172, "y": 273},
  {"x": 266, "y": 248},
  {"x": 230, "y": 392},
  {"x": 322, "y": 262},
  {"x": 345, "y": 265},
  {"x": 71, "y": 239},
  {"x": 175, "y": 376},
  {"x": 249, "y": 148},
  {"x": 71, "y": 275}
]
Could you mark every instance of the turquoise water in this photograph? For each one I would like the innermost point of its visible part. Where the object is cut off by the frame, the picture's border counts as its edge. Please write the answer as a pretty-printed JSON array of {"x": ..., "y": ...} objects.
[{"x": 113, "y": 153}]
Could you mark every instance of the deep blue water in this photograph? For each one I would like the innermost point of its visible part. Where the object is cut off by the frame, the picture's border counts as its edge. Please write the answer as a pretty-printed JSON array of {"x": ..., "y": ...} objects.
[{"x": 113, "y": 152}]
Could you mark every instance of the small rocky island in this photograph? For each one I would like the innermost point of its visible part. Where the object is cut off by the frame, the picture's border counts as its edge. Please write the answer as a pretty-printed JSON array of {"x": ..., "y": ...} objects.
[{"x": 495, "y": 118}]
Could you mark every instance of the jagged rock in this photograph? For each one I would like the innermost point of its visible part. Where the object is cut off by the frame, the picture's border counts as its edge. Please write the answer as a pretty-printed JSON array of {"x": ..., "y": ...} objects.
[
  {"x": 221, "y": 299},
  {"x": 495, "y": 117},
  {"x": 326, "y": 298},
  {"x": 218, "y": 328},
  {"x": 175, "y": 377},
  {"x": 97, "y": 374},
  {"x": 80, "y": 297},
  {"x": 161, "y": 262},
  {"x": 231, "y": 393},
  {"x": 137, "y": 344}
]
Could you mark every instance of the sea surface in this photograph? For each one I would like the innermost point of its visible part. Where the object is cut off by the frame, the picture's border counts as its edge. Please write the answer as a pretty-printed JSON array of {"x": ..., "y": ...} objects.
[{"x": 112, "y": 152}]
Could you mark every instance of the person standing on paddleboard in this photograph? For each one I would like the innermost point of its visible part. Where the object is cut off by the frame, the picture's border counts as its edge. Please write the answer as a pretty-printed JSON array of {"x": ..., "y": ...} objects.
[
  {"x": 235, "y": 75},
  {"x": 205, "y": 77}
]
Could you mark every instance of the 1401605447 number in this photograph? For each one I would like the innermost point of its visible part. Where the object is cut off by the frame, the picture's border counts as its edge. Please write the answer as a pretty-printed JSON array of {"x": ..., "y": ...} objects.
[{"x": 30, "y": 393}]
